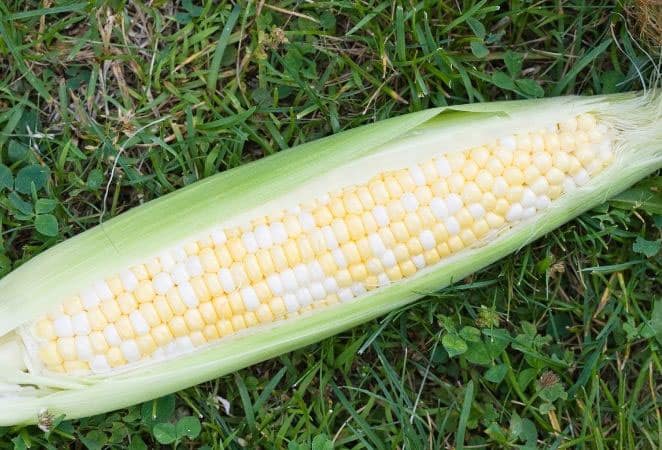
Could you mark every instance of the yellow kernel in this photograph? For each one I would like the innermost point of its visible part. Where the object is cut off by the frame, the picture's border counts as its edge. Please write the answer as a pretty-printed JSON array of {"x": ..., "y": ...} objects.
[
  {"x": 531, "y": 174},
  {"x": 379, "y": 193},
  {"x": 413, "y": 224},
  {"x": 149, "y": 313},
  {"x": 358, "y": 272},
  {"x": 374, "y": 266},
  {"x": 480, "y": 228},
  {"x": 57, "y": 368},
  {"x": 264, "y": 314},
  {"x": 484, "y": 180},
  {"x": 468, "y": 237},
  {"x": 98, "y": 342},
  {"x": 251, "y": 319},
  {"x": 140, "y": 272},
  {"x": 523, "y": 142},
  {"x": 292, "y": 226},
  {"x": 328, "y": 263},
  {"x": 45, "y": 330},
  {"x": 153, "y": 267},
  {"x": 387, "y": 237},
  {"x": 73, "y": 306},
  {"x": 225, "y": 328},
  {"x": 124, "y": 328},
  {"x": 236, "y": 303},
  {"x": 340, "y": 231},
  {"x": 456, "y": 160},
  {"x": 210, "y": 332},
  {"x": 209, "y": 261},
  {"x": 464, "y": 218},
  {"x": 470, "y": 170},
  {"x": 278, "y": 258},
  {"x": 440, "y": 188},
  {"x": 193, "y": 320},
  {"x": 555, "y": 191},
  {"x": 567, "y": 141},
  {"x": 552, "y": 142},
  {"x": 239, "y": 275},
  {"x": 198, "y": 339},
  {"x": 305, "y": 248},
  {"x": 355, "y": 227},
  {"x": 428, "y": 220},
  {"x": 365, "y": 198},
  {"x": 277, "y": 306},
  {"x": 115, "y": 285},
  {"x": 555, "y": 176},
  {"x": 66, "y": 348},
  {"x": 76, "y": 367},
  {"x": 455, "y": 244},
  {"x": 494, "y": 220},
  {"x": 400, "y": 231},
  {"x": 175, "y": 301},
  {"x": 322, "y": 216},
  {"x": 115, "y": 357},
  {"x": 344, "y": 278},
  {"x": 205, "y": 242},
  {"x": 49, "y": 355},
  {"x": 480, "y": 155},
  {"x": 252, "y": 268},
  {"x": 177, "y": 326},
  {"x": 394, "y": 273},
  {"x": 208, "y": 313},
  {"x": 222, "y": 307},
  {"x": 352, "y": 203},
  {"x": 238, "y": 322},
  {"x": 337, "y": 208},
  {"x": 502, "y": 206},
  {"x": 192, "y": 248},
  {"x": 431, "y": 256},
  {"x": 494, "y": 167},
  {"x": 471, "y": 193},
  {"x": 237, "y": 249},
  {"x": 504, "y": 156},
  {"x": 414, "y": 246},
  {"x": 561, "y": 161},
  {"x": 514, "y": 194},
  {"x": 405, "y": 181},
  {"x": 146, "y": 344},
  {"x": 162, "y": 334},
  {"x": 363, "y": 246},
  {"x": 401, "y": 253},
  {"x": 489, "y": 201},
  {"x": 144, "y": 292},
  {"x": 423, "y": 195},
  {"x": 513, "y": 176},
  {"x": 213, "y": 285},
  {"x": 351, "y": 253},
  {"x": 96, "y": 319},
  {"x": 568, "y": 125},
  {"x": 163, "y": 309},
  {"x": 440, "y": 232},
  {"x": 223, "y": 255},
  {"x": 111, "y": 310},
  {"x": 395, "y": 210},
  {"x": 407, "y": 268},
  {"x": 262, "y": 291},
  {"x": 369, "y": 223},
  {"x": 393, "y": 187},
  {"x": 455, "y": 182}
]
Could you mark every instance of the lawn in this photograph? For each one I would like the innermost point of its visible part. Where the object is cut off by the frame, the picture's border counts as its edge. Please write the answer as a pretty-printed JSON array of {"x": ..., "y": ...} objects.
[{"x": 105, "y": 105}]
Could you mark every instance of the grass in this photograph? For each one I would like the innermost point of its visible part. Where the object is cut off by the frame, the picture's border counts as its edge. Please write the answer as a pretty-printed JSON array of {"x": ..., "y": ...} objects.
[{"x": 108, "y": 104}]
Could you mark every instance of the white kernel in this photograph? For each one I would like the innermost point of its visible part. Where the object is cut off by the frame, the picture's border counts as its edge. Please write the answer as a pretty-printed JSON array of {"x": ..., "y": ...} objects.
[
  {"x": 278, "y": 232},
  {"x": 528, "y": 198},
  {"x": 358, "y": 289},
  {"x": 376, "y": 244},
  {"x": 139, "y": 323},
  {"x": 225, "y": 278},
  {"x": 409, "y": 202},
  {"x": 500, "y": 187},
  {"x": 419, "y": 261},
  {"x": 194, "y": 266},
  {"x": 171, "y": 349},
  {"x": 315, "y": 270},
  {"x": 540, "y": 186},
  {"x": 453, "y": 203},
  {"x": 581, "y": 178},
  {"x": 339, "y": 258},
  {"x": 291, "y": 302},
  {"x": 99, "y": 364},
  {"x": 381, "y": 216},
  {"x": 167, "y": 261},
  {"x": 90, "y": 298},
  {"x": 301, "y": 274},
  {"x": 345, "y": 294},
  {"x": 218, "y": 236},
  {"x": 542, "y": 202},
  {"x": 476, "y": 210},
  {"x": 263, "y": 236},
  {"x": 417, "y": 175},
  {"x": 187, "y": 293},
  {"x": 304, "y": 297},
  {"x": 383, "y": 280},
  {"x": 84, "y": 348},
  {"x": 307, "y": 221},
  {"x": 112, "y": 336},
  {"x": 329, "y": 237},
  {"x": 443, "y": 167},
  {"x": 427, "y": 239},
  {"x": 528, "y": 212},
  {"x": 452, "y": 226},
  {"x": 102, "y": 290},
  {"x": 569, "y": 184},
  {"x": 330, "y": 285},
  {"x": 179, "y": 254},
  {"x": 325, "y": 199},
  {"x": 179, "y": 273},
  {"x": 508, "y": 143},
  {"x": 80, "y": 324},
  {"x": 388, "y": 259},
  {"x": 317, "y": 291},
  {"x": 515, "y": 212},
  {"x": 249, "y": 297},
  {"x": 439, "y": 208},
  {"x": 63, "y": 326},
  {"x": 289, "y": 280},
  {"x": 184, "y": 344},
  {"x": 249, "y": 241},
  {"x": 275, "y": 284},
  {"x": 162, "y": 283}
]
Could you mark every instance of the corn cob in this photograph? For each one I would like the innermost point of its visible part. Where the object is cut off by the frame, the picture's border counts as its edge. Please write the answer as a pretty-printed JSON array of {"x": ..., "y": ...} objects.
[{"x": 287, "y": 250}]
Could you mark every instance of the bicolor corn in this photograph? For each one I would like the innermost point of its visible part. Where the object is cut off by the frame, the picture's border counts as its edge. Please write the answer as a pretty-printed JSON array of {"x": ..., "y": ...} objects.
[{"x": 282, "y": 252}]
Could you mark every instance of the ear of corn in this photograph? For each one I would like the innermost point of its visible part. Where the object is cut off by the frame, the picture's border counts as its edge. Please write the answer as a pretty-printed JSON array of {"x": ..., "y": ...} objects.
[{"x": 295, "y": 247}]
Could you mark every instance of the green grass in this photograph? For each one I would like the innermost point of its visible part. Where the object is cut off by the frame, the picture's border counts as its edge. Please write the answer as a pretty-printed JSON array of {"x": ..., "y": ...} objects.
[{"x": 108, "y": 104}]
